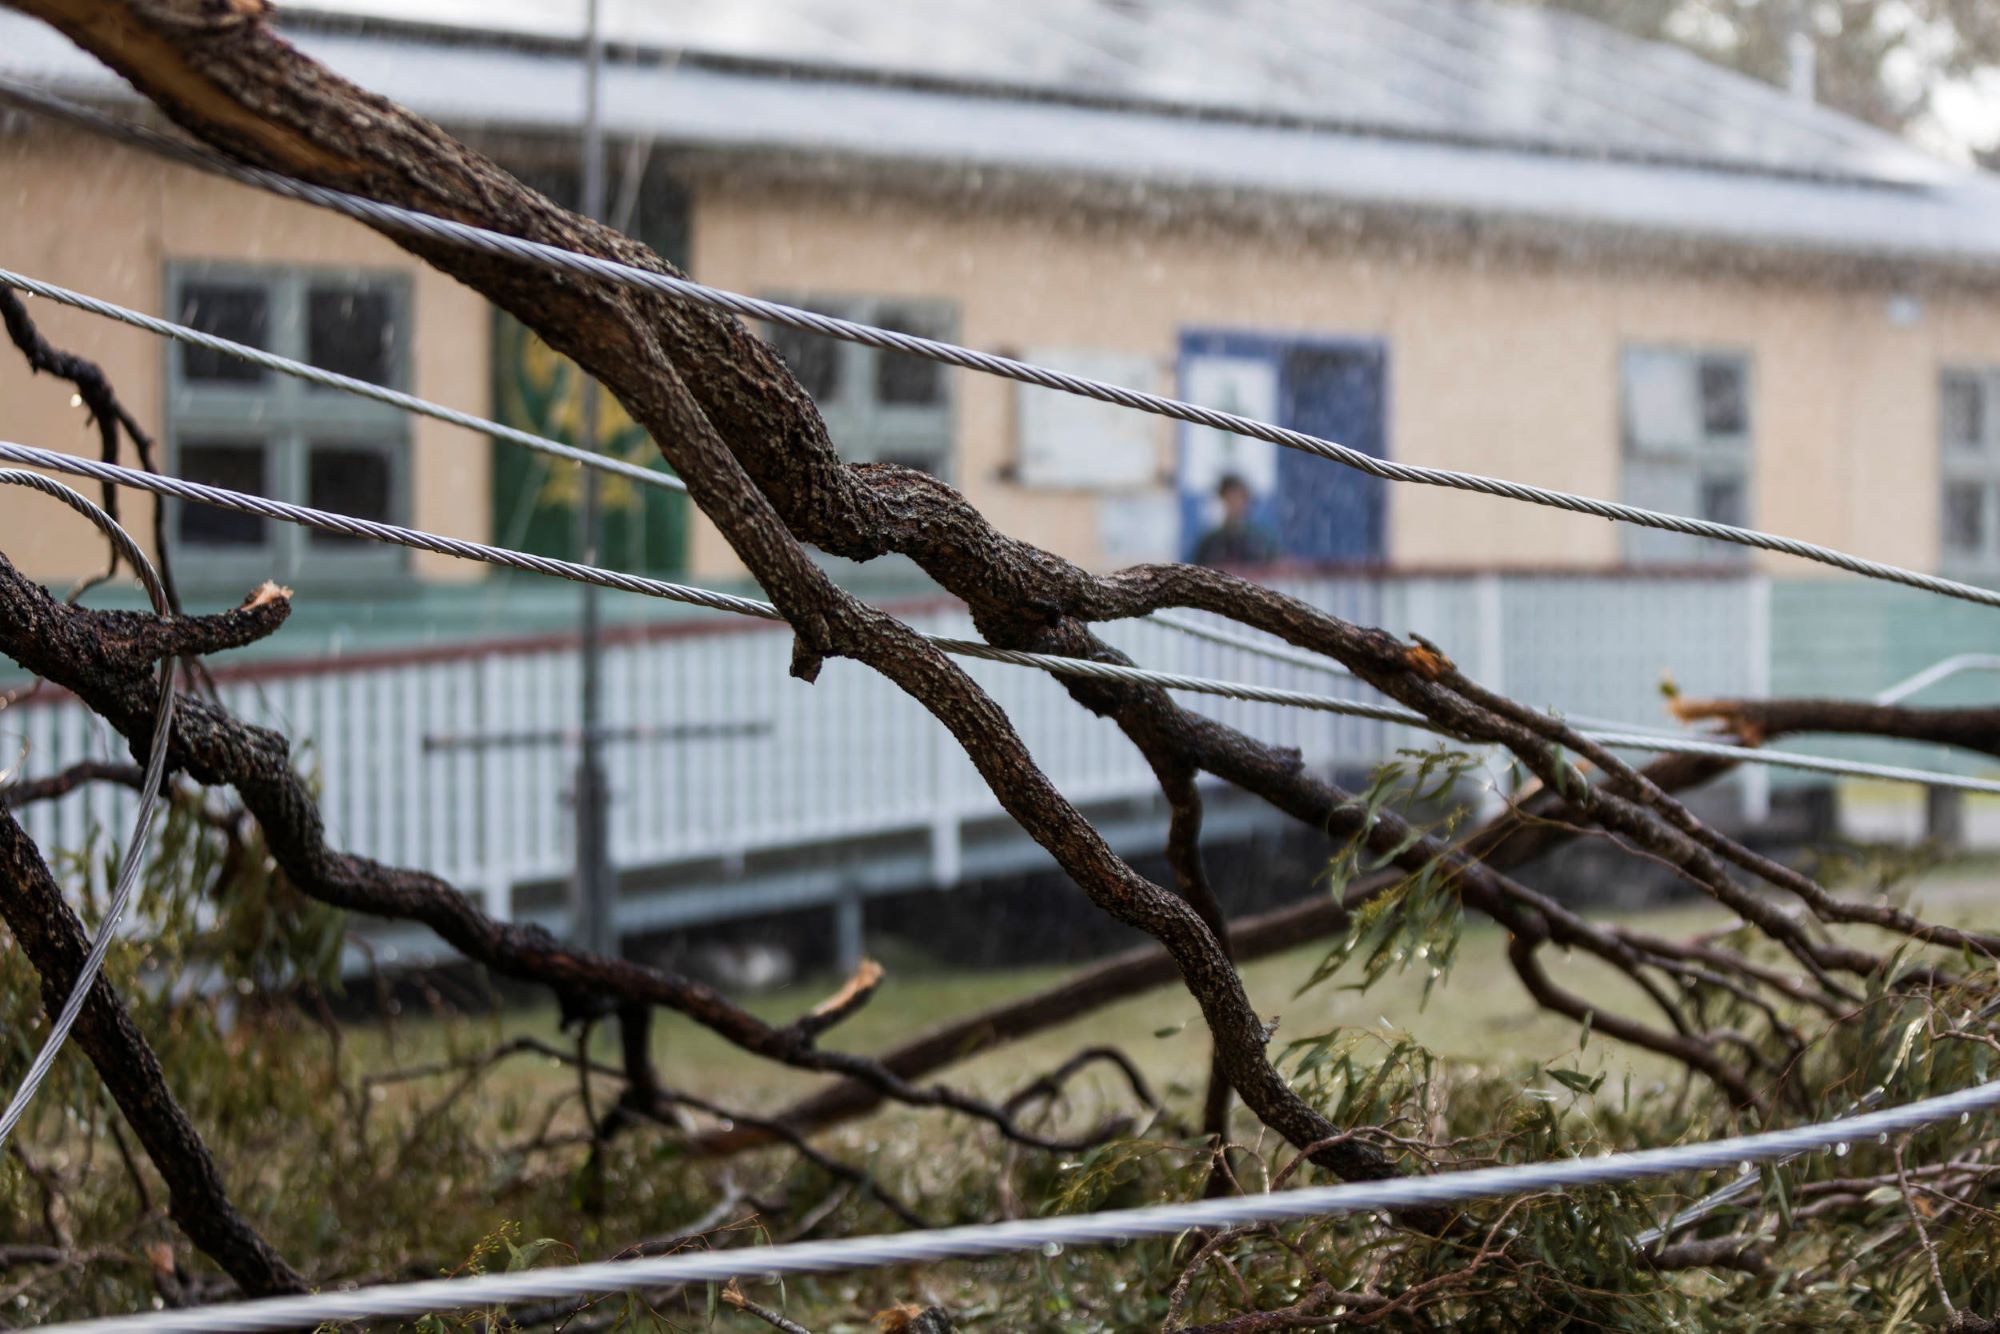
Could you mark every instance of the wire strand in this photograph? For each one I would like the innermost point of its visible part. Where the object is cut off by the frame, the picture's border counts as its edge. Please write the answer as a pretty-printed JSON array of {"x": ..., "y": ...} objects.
[
  {"x": 541, "y": 444},
  {"x": 981, "y": 1241},
  {"x": 345, "y": 383},
  {"x": 410, "y": 222},
  {"x": 1080, "y": 668},
  {"x": 127, "y": 883}
]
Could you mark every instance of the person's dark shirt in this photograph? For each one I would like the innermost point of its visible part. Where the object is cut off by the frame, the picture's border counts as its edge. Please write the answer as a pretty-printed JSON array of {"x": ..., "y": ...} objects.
[{"x": 1235, "y": 544}]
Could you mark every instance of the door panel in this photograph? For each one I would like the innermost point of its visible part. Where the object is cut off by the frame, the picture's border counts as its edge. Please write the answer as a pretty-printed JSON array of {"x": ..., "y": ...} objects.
[
  {"x": 1316, "y": 510},
  {"x": 1327, "y": 511}
]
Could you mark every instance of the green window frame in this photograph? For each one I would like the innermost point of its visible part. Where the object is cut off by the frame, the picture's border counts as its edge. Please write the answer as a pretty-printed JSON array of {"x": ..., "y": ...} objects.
[{"x": 235, "y": 425}]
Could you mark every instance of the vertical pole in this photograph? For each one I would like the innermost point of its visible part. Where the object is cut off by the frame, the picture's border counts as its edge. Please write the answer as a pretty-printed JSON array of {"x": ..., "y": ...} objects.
[
  {"x": 596, "y": 885},
  {"x": 1756, "y": 778},
  {"x": 1489, "y": 596},
  {"x": 1801, "y": 55},
  {"x": 849, "y": 943}
]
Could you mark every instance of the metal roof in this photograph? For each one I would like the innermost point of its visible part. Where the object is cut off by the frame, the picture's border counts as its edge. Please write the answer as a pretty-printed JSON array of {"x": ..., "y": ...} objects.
[
  {"x": 1471, "y": 70},
  {"x": 1448, "y": 106}
]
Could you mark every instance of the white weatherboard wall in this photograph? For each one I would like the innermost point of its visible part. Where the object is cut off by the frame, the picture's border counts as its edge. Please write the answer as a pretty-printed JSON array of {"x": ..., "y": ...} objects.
[{"x": 850, "y": 757}]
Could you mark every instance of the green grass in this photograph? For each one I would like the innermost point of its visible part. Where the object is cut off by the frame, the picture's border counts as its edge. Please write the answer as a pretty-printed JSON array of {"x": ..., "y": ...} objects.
[{"x": 1476, "y": 1014}]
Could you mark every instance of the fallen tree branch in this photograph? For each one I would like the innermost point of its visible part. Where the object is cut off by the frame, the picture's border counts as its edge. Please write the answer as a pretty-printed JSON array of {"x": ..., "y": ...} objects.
[
  {"x": 54, "y": 941},
  {"x": 104, "y": 657},
  {"x": 1513, "y": 838},
  {"x": 1755, "y": 721}
]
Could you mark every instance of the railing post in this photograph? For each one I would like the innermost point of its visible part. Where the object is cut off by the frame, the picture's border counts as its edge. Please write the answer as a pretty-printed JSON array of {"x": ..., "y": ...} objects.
[
  {"x": 849, "y": 944},
  {"x": 1944, "y": 818},
  {"x": 1489, "y": 597},
  {"x": 494, "y": 871},
  {"x": 947, "y": 849},
  {"x": 1755, "y": 779}
]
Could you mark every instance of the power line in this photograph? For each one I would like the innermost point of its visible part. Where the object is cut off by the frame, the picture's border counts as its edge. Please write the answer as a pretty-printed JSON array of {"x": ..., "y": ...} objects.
[
  {"x": 541, "y": 444},
  {"x": 967, "y": 1242},
  {"x": 1275, "y": 652},
  {"x": 1079, "y": 668},
  {"x": 410, "y": 222},
  {"x": 1283, "y": 653},
  {"x": 127, "y": 883},
  {"x": 985, "y": 1240},
  {"x": 345, "y": 383}
]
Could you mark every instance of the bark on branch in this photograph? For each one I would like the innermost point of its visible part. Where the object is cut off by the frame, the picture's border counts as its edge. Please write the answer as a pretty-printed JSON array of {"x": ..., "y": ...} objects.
[
  {"x": 1756, "y": 721},
  {"x": 54, "y": 941}
]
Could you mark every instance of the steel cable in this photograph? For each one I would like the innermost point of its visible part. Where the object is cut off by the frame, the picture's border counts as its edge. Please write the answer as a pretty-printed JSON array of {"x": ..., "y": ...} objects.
[
  {"x": 985, "y": 1240},
  {"x": 410, "y": 222},
  {"x": 1081, "y": 668},
  {"x": 345, "y": 383},
  {"x": 127, "y": 881}
]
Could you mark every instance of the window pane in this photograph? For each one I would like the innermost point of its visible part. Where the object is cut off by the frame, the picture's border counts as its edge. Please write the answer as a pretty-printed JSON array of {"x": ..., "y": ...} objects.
[
  {"x": 1964, "y": 518},
  {"x": 1962, "y": 405},
  {"x": 1725, "y": 398},
  {"x": 240, "y": 312},
  {"x": 899, "y": 377},
  {"x": 1660, "y": 400},
  {"x": 352, "y": 331},
  {"x": 1722, "y": 500},
  {"x": 235, "y": 467},
  {"x": 814, "y": 360},
  {"x": 350, "y": 481}
]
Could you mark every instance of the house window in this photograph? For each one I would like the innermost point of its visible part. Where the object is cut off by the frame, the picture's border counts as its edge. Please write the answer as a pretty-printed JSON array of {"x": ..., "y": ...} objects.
[
  {"x": 1686, "y": 428},
  {"x": 234, "y": 425},
  {"x": 1969, "y": 454},
  {"x": 880, "y": 407}
]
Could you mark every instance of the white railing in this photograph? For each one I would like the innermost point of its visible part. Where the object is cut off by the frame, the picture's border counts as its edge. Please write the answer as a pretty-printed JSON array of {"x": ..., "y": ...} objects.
[{"x": 455, "y": 762}]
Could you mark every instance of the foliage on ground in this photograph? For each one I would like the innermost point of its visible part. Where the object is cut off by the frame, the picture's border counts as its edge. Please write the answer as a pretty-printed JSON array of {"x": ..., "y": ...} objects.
[{"x": 456, "y": 1140}]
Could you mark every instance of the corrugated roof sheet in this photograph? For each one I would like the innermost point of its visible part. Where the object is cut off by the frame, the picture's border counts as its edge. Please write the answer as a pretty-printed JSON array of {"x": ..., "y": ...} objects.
[
  {"x": 1526, "y": 121},
  {"x": 1469, "y": 70}
]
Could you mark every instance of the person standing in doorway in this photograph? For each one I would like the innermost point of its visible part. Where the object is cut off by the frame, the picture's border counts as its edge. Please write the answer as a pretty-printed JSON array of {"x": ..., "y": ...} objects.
[{"x": 1238, "y": 539}]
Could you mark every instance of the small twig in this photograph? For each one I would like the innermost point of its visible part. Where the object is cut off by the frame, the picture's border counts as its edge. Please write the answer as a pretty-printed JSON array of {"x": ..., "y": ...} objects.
[
  {"x": 1051, "y": 1084},
  {"x": 30, "y": 790},
  {"x": 733, "y": 1296},
  {"x": 853, "y": 994},
  {"x": 1923, "y": 1235},
  {"x": 109, "y": 415}
]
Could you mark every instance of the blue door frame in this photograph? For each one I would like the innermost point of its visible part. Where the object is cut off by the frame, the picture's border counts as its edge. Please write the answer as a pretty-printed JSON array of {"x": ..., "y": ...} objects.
[{"x": 1337, "y": 388}]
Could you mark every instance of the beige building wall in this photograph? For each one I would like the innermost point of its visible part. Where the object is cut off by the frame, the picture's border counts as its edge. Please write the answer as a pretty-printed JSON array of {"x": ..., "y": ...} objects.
[
  {"x": 107, "y": 221},
  {"x": 1498, "y": 364}
]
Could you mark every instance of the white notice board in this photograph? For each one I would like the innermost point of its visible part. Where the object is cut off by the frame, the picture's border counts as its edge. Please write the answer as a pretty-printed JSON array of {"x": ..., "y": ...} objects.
[{"x": 1068, "y": 441}]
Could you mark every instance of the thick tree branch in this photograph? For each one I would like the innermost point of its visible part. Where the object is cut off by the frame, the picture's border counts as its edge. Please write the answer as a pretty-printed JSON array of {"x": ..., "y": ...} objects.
[
  {"x": 104, "y": 658},
  {"x": 1755, "y": 721},
  {"x": 54, "y": 941},
  {"x": 729, "y": 416}
]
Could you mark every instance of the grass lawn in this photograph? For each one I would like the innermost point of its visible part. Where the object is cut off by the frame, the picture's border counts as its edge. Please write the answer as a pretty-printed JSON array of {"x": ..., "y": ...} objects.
[{"x": 1477, "y": 1013}]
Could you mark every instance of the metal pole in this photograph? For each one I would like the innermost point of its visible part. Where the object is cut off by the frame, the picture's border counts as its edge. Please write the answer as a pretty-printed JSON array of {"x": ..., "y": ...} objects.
[
  {"x": 1801, "y": 53},
  {"x": 596, "y": 885}
]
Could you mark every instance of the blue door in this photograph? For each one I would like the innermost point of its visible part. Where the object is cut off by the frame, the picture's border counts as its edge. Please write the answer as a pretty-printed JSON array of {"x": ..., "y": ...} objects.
[
  {"x": 1314, "y": 510},
  {"x": 1328, "y": 511}
]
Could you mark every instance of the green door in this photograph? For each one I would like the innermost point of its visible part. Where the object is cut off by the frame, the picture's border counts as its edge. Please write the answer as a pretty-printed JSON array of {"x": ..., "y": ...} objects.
[{"x": 535, "y": 497}]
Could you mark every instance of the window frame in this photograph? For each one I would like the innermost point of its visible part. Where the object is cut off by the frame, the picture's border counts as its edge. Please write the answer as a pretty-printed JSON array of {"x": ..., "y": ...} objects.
[
  {"x": 864, "y": 427},
  {"x": 1979, "y": 467},
  {"x": 288, "y": 418},
  {"x": 1708, "y": 458}
]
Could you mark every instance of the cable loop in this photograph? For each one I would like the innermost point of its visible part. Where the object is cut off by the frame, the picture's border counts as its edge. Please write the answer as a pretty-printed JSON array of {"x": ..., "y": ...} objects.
[{"x": 149, "y": 795}]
